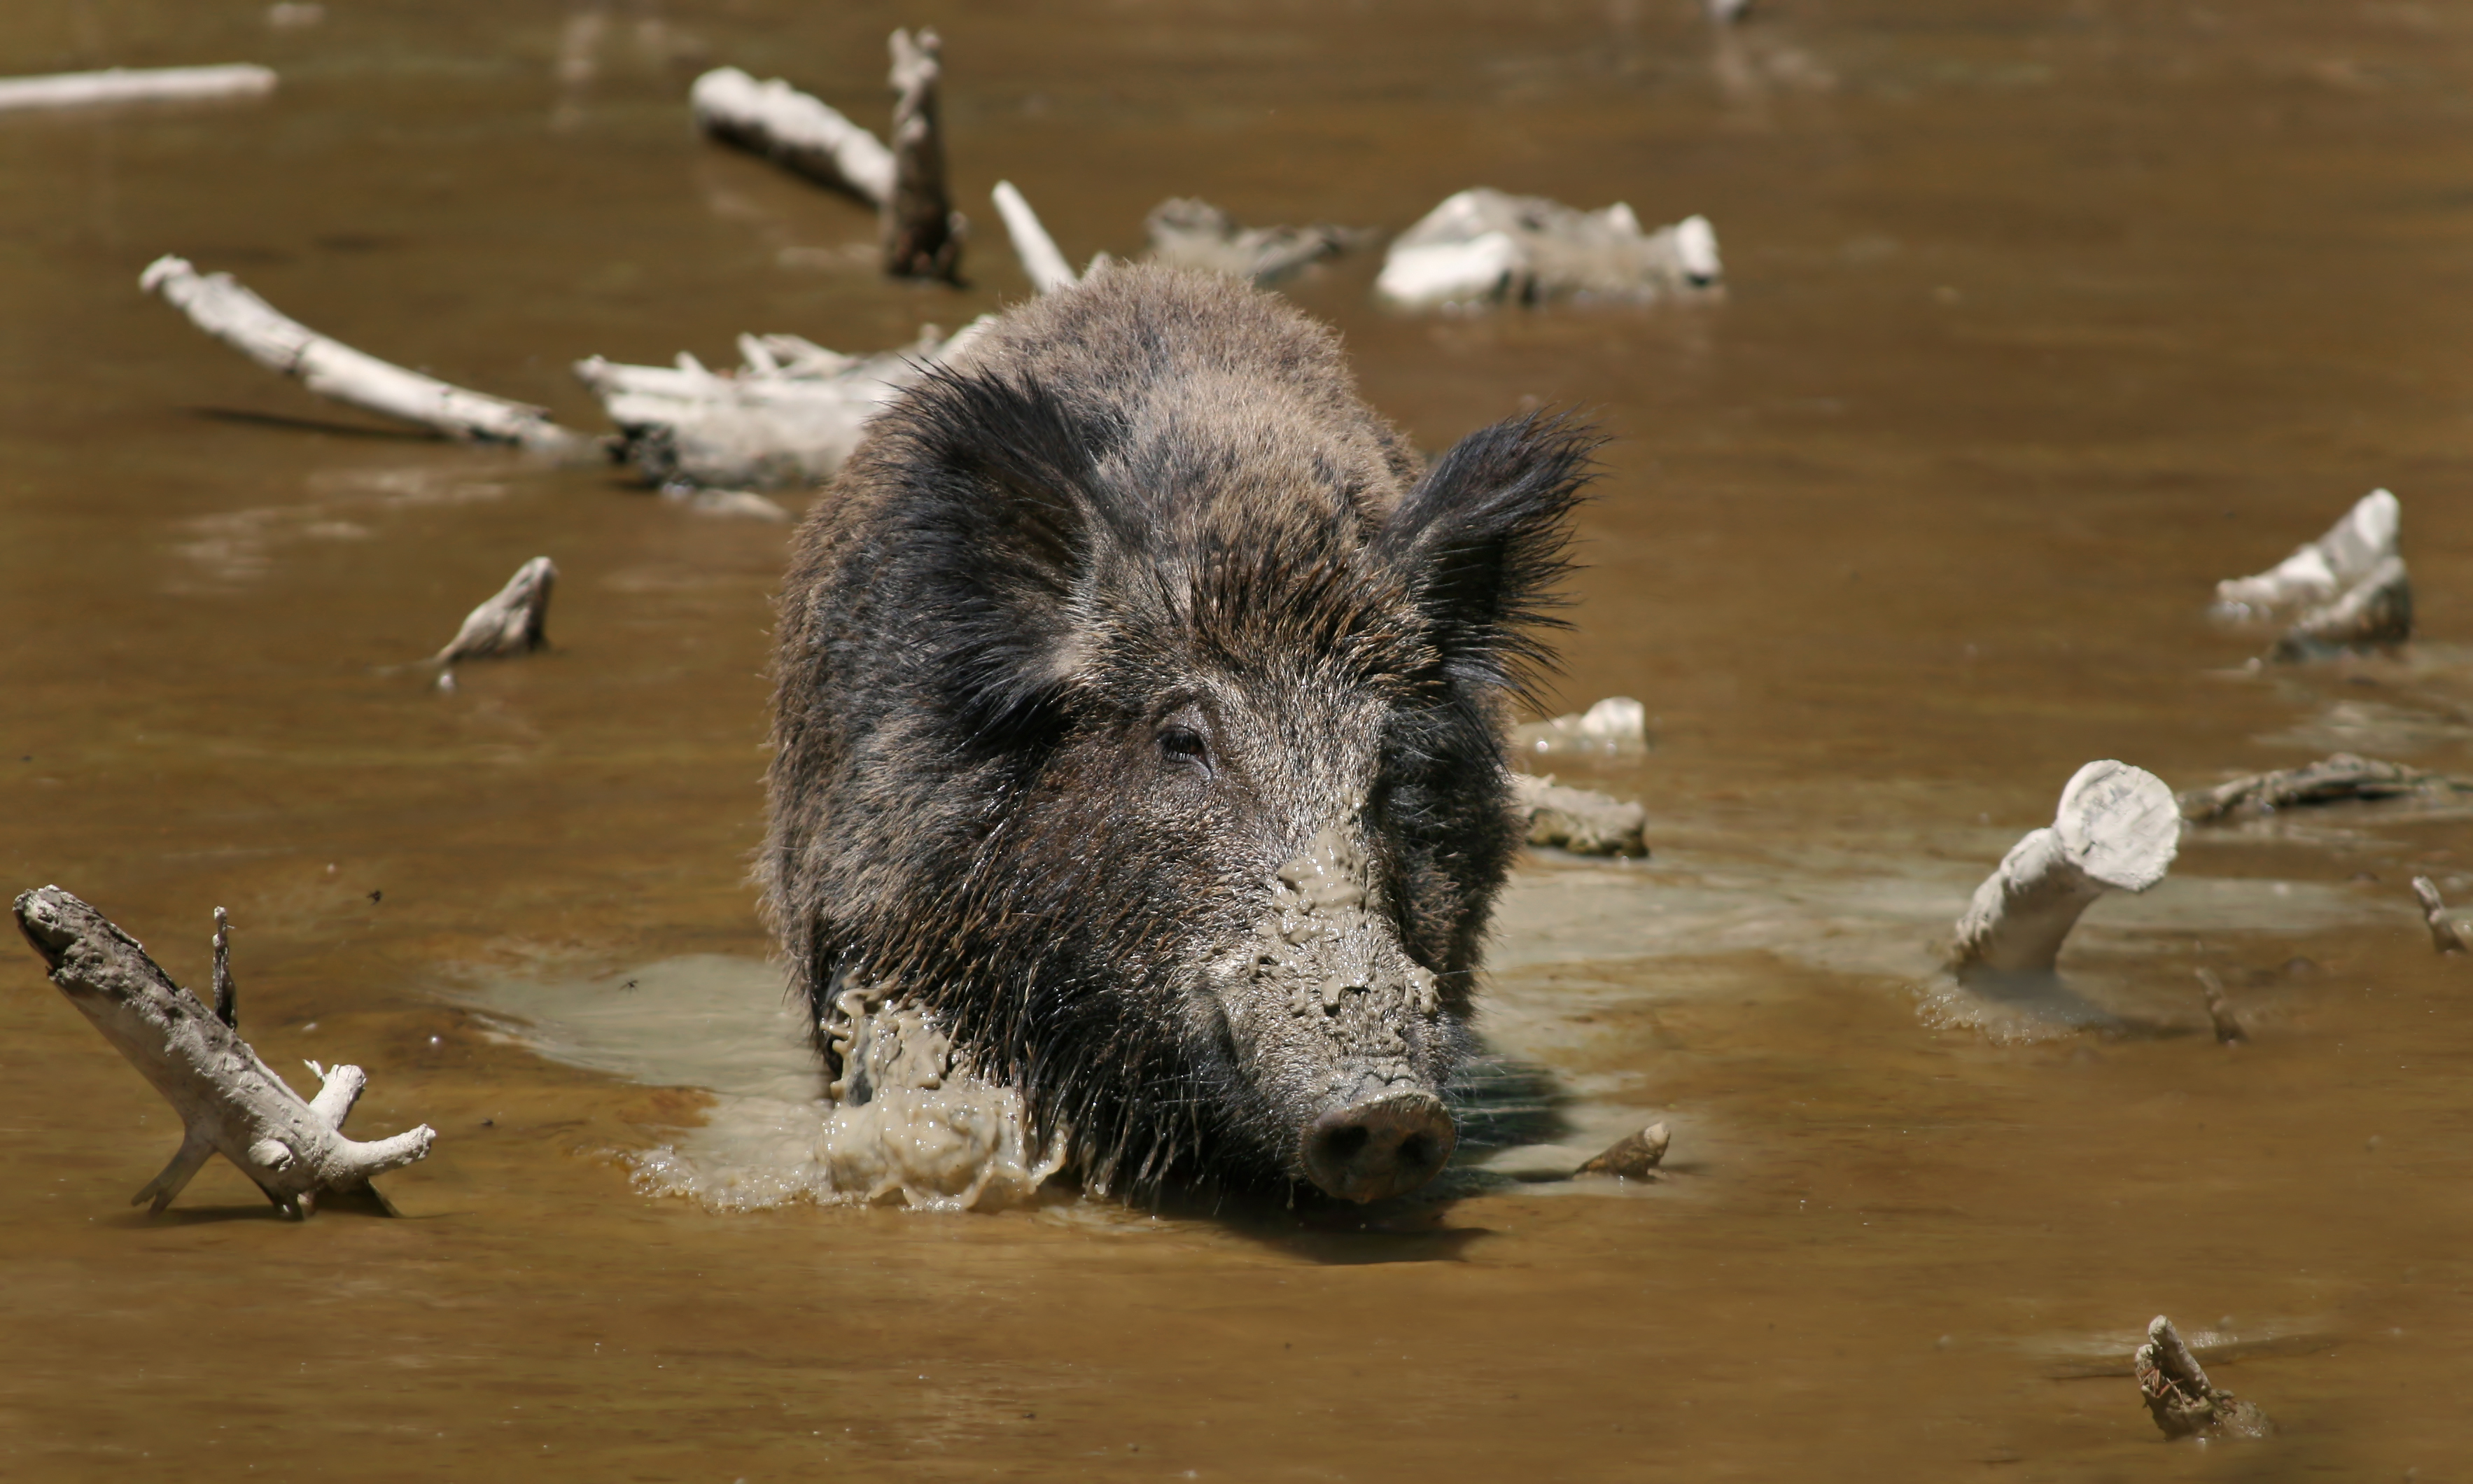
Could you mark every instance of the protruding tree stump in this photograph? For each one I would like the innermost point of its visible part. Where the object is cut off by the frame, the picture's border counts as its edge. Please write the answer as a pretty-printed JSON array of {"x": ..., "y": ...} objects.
[
  {"x": 922, "y": 232},
  {"x": 229, "y": 1102},
  {"x": 2117, "y": 830}
]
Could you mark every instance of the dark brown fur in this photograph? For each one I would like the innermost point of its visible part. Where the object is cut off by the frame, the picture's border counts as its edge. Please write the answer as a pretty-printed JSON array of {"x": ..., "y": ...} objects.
[{"x": 1100, "y": 625}]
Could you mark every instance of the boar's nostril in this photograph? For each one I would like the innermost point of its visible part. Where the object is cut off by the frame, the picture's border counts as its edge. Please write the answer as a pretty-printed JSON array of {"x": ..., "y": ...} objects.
[{"x": 1385, "y": 1147}]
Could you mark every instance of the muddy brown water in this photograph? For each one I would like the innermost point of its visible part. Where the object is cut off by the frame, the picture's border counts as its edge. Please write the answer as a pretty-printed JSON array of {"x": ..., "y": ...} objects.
[{"x": 2041, "y": 317}]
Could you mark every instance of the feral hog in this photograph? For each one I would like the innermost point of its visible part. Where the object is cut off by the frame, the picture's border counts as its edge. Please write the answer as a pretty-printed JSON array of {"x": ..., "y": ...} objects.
[{"x": 1140, "y": 717}]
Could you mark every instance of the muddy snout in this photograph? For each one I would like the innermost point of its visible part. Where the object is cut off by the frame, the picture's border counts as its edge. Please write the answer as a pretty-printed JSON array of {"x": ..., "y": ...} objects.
[{"x": 1379, "y": 1147}]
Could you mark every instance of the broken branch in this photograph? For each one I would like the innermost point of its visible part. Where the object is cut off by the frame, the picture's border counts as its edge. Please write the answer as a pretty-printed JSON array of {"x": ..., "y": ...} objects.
[
  {"x": 1039, "y": 258},
  {"x": 136, "y": 84},
  {"x": 2117, "y": 830},
  {"x": 2348, "y": 586},
  {"x": 2181, "y": 1398},
  {"x": 1632, "y": 1157},
  {"x": 794, "y": 131},
  {"x": 515, "y": 621},
  {"x": 218, "y": 304},
  {"x": 2341, "y": 775},
  {"x": 2219, "y": 1011},
  {"x": 2444, "y": 936},
  {"x": 1579, "y": 820},
  {"x": 229, "y": 1102}
]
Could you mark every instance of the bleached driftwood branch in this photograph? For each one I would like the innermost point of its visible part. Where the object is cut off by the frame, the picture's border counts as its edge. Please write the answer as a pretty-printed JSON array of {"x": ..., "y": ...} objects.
[
  {"x": 786, "y": 417},
  {"x": 136, "y": 84},
  {"x": 1485, "y": 247},
  {"x": 1190, "y": 233},
  {"x": 2117, "y": 830},
  {"x": 794, "y": 131},
  {"x": 1578, "y": 819},
  {"x": 514, "y": 622},
  {"x": 218, "y": 304},
  {"x": 922, "y": 232},
  {"x": 2181, "y": 1398},
  {"x": 229, "y": 1102},
  {"x": 2347, "y": 590},
  {"x": 2445, "y": 937},
  {"x": 1039, "y": 258}
]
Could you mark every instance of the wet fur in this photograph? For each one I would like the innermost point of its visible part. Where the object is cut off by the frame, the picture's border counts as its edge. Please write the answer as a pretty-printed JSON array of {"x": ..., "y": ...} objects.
[{"x": 1157, "y": 496}]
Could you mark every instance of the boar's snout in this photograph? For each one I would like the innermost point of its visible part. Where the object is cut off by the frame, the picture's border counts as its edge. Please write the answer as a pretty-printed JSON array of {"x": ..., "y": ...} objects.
[{"x": 1380, "y": 1147}]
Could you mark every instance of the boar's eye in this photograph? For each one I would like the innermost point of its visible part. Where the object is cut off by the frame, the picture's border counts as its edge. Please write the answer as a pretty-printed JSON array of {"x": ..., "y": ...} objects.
[{"x": 1181, "y": 742}]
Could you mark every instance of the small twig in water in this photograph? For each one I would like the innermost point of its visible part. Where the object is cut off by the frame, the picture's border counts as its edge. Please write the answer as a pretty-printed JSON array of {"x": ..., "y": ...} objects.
[
  {"x": 2220, "y": 1009},
  {"x": 515, "y": 622},
  {"x": 2444, "y": 936}
]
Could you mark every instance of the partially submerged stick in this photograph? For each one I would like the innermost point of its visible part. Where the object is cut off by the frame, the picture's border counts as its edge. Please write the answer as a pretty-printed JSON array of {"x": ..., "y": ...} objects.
[
  {"x": 136, "y": 84},
  {"x": 2444, "y": 936},
  {"x": 1615, "y": 726},
  {"x": 922, "y": 232},
  {"x": 2219, "y": 1011},
  {"x": 1485, "y": 247},
  {"x": 2181, "y": 1398},
  {"x": 1632, "y": 1157},
  {"x": 229, "y": 1102},
  {"x": 514, "y": 622},
  {"x": 1039, "y": 258},
  {"x": 2338, "y": 778},
  {"x": 2117, "y": 830},
  {"x": 794, "y": 131},
  {"x": 218, "y": 304},
  {"x": 1190, "y": 233},
  {"x": 2348, "y": 588}
]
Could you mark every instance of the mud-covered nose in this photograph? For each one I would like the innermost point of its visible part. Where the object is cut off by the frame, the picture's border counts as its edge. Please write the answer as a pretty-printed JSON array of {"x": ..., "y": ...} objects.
[{"x": 1386, "y": 1146}]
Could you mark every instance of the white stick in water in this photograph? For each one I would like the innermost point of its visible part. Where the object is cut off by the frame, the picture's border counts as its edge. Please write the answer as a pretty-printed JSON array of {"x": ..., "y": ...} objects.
[
  {"x": 1039, "y": 258},
  {"x": 2117, "y": 830},
  {"x": 793, "y": 129},
  {"x": 136, "y": 84},
  {"x": 218, "y": 304},
  {"x": 2346, "y": 591},
  {"x": 229, "y": 1102},
  {"x": 514, "y": 622}
]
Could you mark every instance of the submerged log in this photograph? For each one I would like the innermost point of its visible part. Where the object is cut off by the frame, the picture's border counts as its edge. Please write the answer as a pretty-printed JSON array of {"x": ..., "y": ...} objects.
[
  {"x": 229, "y": 1102},
  {"x": 922, "y": 232},
  {"x": 787, "y": 417},
  {"x": 514, "y": 622},
  {"x": 2346, "y": 591},
  {"x": 2116, "y": 829},
  {"x": 797, "y": 132},
  {"x": 1484, "y": 247},
  {"x": 2340, "y": 776},
  {"x": 2445, "y": 937},
  {"x": 218, "y": 304},
  {"x": 1190, "y": 233},
  {"x": 136, "y": 84},
  {"x": 2181, "y": 1398},
  {"x": 1578, "y": 819}
]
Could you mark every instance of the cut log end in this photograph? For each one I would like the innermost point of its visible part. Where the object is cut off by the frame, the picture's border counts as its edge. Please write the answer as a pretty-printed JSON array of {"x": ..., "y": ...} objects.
[{"x": 2117, "y": 828}]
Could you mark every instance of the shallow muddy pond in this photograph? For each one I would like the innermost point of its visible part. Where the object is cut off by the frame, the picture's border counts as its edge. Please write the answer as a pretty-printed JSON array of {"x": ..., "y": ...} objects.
[{"x": 2040, "y": 319}]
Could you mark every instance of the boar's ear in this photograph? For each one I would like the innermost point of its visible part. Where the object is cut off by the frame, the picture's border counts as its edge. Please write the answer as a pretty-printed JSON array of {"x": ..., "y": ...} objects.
[
  {"x": 999, "y": 511},
  {"x": 1480, "y": 543}
]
